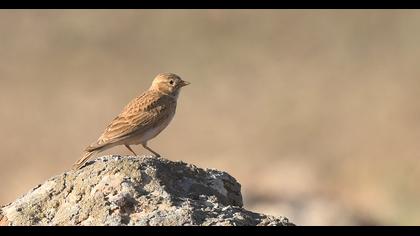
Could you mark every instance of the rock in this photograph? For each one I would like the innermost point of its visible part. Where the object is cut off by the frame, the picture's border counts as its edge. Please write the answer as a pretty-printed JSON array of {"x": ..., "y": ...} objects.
[
  {"x": 3, "y": 220},
  {"x": 117, "y": 190}
]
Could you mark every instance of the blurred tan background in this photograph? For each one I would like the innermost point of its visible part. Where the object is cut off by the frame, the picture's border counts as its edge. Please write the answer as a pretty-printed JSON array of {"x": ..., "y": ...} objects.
[{"x": 315, "y": 112}]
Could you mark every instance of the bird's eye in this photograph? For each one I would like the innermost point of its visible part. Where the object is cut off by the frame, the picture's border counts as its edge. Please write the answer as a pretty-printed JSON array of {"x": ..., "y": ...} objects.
[{"x": 171, "y": 82}]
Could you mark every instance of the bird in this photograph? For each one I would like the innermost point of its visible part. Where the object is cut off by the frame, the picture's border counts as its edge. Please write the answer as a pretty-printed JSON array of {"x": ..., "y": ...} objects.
[{"x": 142, "y": 119}]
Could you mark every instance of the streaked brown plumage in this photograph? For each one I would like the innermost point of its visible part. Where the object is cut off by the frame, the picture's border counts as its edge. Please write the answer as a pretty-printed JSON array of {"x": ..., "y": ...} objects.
[{"x": 141, "y": 119}]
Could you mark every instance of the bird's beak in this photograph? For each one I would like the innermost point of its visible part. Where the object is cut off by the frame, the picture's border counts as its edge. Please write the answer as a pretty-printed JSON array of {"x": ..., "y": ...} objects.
[{"x": 184, "y": 83}]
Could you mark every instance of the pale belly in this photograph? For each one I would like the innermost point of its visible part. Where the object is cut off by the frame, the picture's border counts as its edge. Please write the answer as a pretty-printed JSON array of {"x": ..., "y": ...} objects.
[{"x": 150, "y": 134}]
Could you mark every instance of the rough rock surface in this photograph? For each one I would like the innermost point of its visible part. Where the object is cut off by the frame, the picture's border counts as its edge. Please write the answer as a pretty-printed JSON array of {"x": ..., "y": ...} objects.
[{"x": 117, "y": 190}]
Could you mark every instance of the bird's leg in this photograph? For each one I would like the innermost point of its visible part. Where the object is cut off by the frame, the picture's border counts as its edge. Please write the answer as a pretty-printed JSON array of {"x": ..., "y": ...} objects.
[
  {"x": 154, "y": 153},
  {"x": 129, "y": 148}
]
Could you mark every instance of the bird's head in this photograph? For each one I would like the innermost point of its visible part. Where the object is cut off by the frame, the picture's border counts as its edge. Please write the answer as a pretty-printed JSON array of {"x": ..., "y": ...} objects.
[{"x": 168, "y": 83}]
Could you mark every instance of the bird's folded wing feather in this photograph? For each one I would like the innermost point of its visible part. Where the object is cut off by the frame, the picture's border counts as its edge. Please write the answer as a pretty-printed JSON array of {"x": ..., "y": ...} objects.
[{"x": 139, "y": 115}]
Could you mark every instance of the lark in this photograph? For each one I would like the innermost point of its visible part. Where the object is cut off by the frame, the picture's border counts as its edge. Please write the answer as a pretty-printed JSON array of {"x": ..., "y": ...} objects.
[{"x": 142, "y": 119}]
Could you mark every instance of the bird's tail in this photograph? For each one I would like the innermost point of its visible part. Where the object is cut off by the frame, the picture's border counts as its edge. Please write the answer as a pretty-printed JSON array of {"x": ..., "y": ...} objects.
[{"x": 84, "y": 158}]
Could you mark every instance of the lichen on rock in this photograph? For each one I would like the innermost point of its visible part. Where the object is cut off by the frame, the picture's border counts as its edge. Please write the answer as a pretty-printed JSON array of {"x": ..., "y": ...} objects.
[{"x": 129, "y": 190}]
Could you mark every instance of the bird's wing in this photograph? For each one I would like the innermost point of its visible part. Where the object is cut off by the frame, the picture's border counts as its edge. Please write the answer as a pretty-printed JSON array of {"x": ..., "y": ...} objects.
[{"x": 142, "y": 113}]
